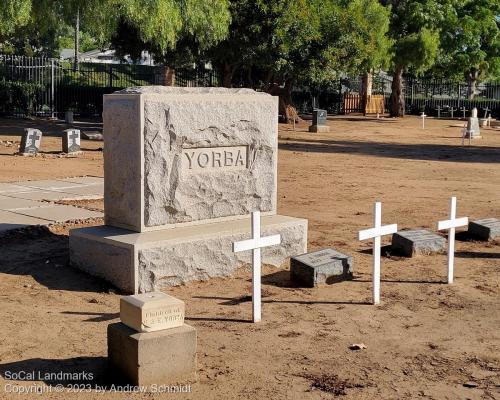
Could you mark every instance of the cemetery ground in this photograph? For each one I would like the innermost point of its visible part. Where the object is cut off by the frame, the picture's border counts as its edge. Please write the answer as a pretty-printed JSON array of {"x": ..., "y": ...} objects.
[{"x": 425, "y": 340}]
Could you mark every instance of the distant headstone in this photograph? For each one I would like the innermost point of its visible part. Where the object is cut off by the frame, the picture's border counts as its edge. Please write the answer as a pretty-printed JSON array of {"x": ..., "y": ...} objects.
[
  {"x": 319, "y": 122},
  {"x": 71, "y": 141},
  {"x": 319, "y": 267},
  {"x": 485, "y": 229},
  {"x": 150, "y": 312},
  {"x": 31, "y": 141},
  {"x": 472, "y": 130},
  {"x": 93, "y": 136},
  {"x": 68, "y": 117},
  {"x": 414, "y": 242}
]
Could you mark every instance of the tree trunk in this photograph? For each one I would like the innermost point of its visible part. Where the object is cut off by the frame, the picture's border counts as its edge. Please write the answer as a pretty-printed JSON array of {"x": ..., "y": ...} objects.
[
  {"x": 77, "y": 39},
  {"x": 366, "y": 90},
  {"x": 472, "y": 77},
  {"x": 228, "y": 75},
  {"x": 397, "y": 96},
  {"x": 286, "y": 108}
]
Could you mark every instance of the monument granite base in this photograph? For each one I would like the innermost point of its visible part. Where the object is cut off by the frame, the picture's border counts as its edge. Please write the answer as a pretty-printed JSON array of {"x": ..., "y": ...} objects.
[
  {"x": 319, "y": 128},
  {"x": 415, "y": 242},
  {"x": 485, "y": 229},
  {"x": 143, "y": 262}
]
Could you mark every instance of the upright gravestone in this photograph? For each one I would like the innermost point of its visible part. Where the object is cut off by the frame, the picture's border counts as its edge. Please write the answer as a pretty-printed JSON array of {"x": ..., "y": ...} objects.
[
  {"x": 319, "y": 122},
  {"x": 472, "y": 130},
  {"x": 30, "y": 142},
  {"x": 71, "y": 141},
  {"x": 183, "y": 169}
]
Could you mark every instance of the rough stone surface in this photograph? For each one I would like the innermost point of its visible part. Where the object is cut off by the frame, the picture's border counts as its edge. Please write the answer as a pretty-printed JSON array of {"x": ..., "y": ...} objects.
[
  {"x": 71, "y": 141},
  {"x": 30, "y": 141},
  {"x": 320, "y": 267},
  {"x": 415, "y": 242},
  {"x": 162, "y": 357},
  {"x": 205, "y": 154},
  {"x": 151, "y": 312},
  {"x": 319, "y": 128},
  {"x": 105, "y": 260},
  {"x": 485, "y": 229},
  {"x": 143, "y": 262}
]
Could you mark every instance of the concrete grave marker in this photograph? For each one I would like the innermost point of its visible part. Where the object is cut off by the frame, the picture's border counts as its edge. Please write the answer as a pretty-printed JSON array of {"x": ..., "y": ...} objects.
[
  {"x": 319, "y": 121},
  {"x": 150, "y": 312},
  {"x": 319, "y": 267},
  {"x": 30, "y": 141},
  {"x": 255, "y": 244},
  {"x": 376, "y": 233},
  {"x": 415, "y": 242},
  {"x": 71, "y": 141},
  {"x": 450, "y": 225},
  {"x": 485, "y": 229},
  {"x": 183, "y": 168}
]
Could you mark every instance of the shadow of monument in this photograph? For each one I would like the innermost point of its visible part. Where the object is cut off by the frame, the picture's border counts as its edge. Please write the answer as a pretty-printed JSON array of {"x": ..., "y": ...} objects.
[
  {"x": 38, "y": 252},
  {"x": 228, "y": 301},
  {"x": 476, "y": 254},
  {"x": 98, "y": 317},
  {"x": 425, "y": 152}
]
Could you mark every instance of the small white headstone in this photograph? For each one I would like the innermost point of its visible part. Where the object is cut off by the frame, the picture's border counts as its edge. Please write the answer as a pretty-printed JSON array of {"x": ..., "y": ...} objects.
[
  {"x": 474, "y": 112},
  {"x": 423, "y": 120},
  {"x": 30, "y": 141}
]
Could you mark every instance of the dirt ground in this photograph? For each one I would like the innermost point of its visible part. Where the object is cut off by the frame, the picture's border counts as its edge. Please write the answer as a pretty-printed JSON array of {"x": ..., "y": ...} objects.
[{"x": 426, "y": 340}]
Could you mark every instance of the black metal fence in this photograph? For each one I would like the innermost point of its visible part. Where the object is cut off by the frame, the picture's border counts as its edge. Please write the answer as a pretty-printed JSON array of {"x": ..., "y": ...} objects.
[
  {"x": 434, "y": 97},
  {"x": 46, "y": 86}
]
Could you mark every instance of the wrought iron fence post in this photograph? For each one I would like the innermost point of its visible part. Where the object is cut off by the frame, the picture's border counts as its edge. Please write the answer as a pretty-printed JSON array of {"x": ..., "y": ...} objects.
[
  {"x": 52, "y": 105},
  {"x": 110, "y": 75},
  {"x": 458, "y": 95}
]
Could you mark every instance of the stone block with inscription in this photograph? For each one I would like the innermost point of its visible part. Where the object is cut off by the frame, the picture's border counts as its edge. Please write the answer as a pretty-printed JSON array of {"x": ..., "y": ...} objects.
[
  {"x": 150, "y": 312},
  {"x": 320, "y": 267},
  {"x": 183, "y": 169},
  {"x": 319, "y": 122},
  {"x": 419, "y": 241},
  {"x": 485, "y": 229},
  {"x": 71, "y": 141},
  {"x": 30, "y": 142}
]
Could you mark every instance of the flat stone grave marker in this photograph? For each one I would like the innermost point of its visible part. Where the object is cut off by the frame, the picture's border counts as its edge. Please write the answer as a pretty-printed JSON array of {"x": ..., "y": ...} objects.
[
  {"x": 419, "y": 241},
  {"x": 320, "y": 267},
  {"x": 485, "y": 229},
  {"x": 319, "y": 121},
  {"x": 71, "y": 141},
  {"x": 30, "y": 141}
]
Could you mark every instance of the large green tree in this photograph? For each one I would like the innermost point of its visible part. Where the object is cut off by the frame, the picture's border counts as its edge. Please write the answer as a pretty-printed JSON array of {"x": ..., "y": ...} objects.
[
  {"x": 470, "y": 42},
  {"x": 414, "y": 29}
]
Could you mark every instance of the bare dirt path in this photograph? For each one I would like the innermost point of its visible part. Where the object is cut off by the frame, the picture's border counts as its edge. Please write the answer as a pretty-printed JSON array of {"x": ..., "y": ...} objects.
[{"x": 426, "y": 339}]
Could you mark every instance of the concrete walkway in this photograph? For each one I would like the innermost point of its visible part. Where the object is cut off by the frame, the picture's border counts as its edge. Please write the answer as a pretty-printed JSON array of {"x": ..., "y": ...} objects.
[{"x": 31, "y": 202}]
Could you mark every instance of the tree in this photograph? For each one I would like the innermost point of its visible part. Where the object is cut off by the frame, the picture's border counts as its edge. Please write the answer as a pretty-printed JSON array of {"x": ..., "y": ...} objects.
[
  {"x": 414, "y": 31},
  {"x": 470, "y": 42}
]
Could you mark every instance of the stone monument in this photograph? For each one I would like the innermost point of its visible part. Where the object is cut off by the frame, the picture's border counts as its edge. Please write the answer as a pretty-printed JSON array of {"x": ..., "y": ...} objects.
[
  {"x": 472, "y": 130},
  {"x": 485, "y": 229},
  {"x": 417, "y": 242},
  {"x": 183, "y": 169},
  {"x": 71, "y": 141},
  {"x": 152, "y": 345},
  {"x": 30, "y": 142},
  {"x": 319, "y": 122}
]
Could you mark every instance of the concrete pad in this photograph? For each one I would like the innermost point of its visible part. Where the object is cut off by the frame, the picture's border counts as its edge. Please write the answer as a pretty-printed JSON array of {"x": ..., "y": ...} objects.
[
  {"x": 39, "y": 195},
  {"x": 163, "y": 357},
  {"x": 50, "y": 184},
  {"x": 84, "y": 180},
  {"x": 319, "y": 128},
  {"x": 59, "y": 213},
  {"x": 12, "y": 188},
  {"x": 147, "y": 261},
  {"x": 95, "y": 191},
  {"x": 10, "y": 220},
  {"x": 11, "y": 203}
]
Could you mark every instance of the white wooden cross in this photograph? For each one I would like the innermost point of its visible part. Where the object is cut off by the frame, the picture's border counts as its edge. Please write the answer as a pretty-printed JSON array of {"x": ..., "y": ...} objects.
[
  {"x": 255, "y": 244},
  {"x": 423, "y": 120},
  {"x": 451, "y": 224},
  {"x": 376, "y": 233}
]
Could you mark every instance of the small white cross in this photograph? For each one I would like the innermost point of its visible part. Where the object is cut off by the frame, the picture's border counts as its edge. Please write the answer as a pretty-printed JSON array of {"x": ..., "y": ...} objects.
[
  {"x": 423, "y": 120},
  {"x": 255, "y": 244},
  {"x": 451, "y": 224},
  {"x": 376, "y": 233}
]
